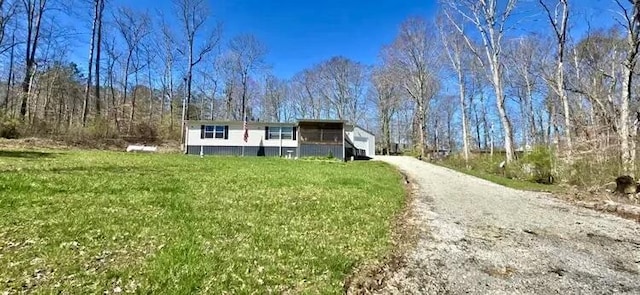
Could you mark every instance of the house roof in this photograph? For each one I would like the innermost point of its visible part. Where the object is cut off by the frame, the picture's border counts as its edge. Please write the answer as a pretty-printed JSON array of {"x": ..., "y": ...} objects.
[
  {"x": 320, "y": 121},
  {"x": 230, "y": 122},
  {"x": 226, "y": 122},
  {"x": 365, "y": 130}
]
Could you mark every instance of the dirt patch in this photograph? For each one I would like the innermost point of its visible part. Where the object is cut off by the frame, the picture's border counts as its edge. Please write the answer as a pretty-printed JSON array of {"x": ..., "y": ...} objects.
[
  {"x": 32, "y": 143},
  {"x": 365, "y": 279},
  {"x": 599, "y": 199},
  {"x": 500, "y": 272},
  {"x": 595, "y": 194}
]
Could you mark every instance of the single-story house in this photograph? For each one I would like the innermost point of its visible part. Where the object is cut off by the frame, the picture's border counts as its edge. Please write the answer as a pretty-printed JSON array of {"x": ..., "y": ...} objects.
[{"x": 304, "y": 138}]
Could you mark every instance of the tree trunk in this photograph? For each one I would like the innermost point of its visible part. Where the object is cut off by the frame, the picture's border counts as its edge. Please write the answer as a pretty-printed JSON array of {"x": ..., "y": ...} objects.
[
  {"x": 114, "y": 105},
  {"x": 187, "y": 107},
  {"x": 566, "y": 109},
  {"x": 151, "y": 96},
  {"x": 478, "y": 122},
  {"x": 628, "y": 154},
  {"x": 126, "y": 84},
  {"x": 421, "y": 126},
  {"x": 245, "y": 75},
  {"x": 627, "y": 135},
  {"x": 485, "y": 121},
  {"x": 213, "y": 98},
  {"x": 531, "y": 113},
  {"x": 85, "y": 105},
  {"x": 171, "y": 109},
  {"x": 386, "y": 131},
  {"x": 504, "y": 119},
  {"x": 463, "y": 112},
  {"x": 133, "y": 102},
  {"x": 10, "y": 78},
  {"x": 27, "y": 84},
  {"x": 98, "y": 56},
  {"x": 34, "y": 19}
]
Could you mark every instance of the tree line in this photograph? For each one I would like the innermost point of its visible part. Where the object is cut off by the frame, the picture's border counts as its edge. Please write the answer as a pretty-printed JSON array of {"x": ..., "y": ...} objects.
[{"x": 470, "y": 78}]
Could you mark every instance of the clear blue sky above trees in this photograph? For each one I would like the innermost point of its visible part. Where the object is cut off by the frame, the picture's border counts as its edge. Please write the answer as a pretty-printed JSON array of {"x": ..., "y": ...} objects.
[{"x": 299, "y": 33}]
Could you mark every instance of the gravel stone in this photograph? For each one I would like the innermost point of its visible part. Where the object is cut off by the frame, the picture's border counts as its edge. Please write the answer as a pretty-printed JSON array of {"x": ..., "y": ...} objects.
[{"x": 478, "y": 237}]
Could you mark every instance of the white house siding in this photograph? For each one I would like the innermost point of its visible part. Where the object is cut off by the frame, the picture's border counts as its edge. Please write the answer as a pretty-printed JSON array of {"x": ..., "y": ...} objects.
[
  {"x": 363, "y": 140},
  {"x": 256, "y": 143}
]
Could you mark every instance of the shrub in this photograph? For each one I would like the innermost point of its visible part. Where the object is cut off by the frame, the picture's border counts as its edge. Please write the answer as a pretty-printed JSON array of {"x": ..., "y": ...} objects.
[
  {"x": 412, "y": 152},
  {"x": 10, "y": 128},
  {"x": 536, "y": 165},
  {"x": 483, "y": 162},
  {"x": 39, "y": 128},
  {"x": 145, "y": 133},
  {"x": 100, "y": 128},
  {"x": 98, "y": 133},
  {"x": 590, "y": 172}
]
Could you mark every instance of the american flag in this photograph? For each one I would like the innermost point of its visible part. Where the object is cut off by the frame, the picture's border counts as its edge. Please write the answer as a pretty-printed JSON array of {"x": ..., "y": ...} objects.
[{"x": 246, "y": 130}]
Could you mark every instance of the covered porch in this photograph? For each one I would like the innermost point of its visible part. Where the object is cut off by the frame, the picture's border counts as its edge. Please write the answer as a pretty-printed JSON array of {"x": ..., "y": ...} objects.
[{"x": 321, "y": 138}]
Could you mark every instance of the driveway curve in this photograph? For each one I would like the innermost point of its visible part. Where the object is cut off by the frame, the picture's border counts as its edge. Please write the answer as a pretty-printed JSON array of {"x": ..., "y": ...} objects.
[{"x": 477, "y": 237}]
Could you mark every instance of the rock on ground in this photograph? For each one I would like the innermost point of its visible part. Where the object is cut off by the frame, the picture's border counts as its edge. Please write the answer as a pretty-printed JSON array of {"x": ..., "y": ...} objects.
[{"x": 481, "y": 238}]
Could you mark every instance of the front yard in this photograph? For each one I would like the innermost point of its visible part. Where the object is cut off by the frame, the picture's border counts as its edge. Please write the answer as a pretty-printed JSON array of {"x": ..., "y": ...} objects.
[{"x": 94, "y": 222}]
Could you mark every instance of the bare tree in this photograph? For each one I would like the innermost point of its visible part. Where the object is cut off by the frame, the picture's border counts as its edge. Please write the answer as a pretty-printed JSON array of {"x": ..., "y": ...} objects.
[
  {"x": 168, "y": 51},
  {"x": 386, "y": 96},
  {"x": 194, "y": 14},
  {"x": 212, "y": 78},
  {"x": 34, "y": 10},
  {"x": 274, "y": 98},
  {"x": 113, "y": 57},
  {"x": 628, "y": 131},
  {"x": 307, "y": 102},
  {"x": 341, "y": 85},
  {"x": 559, "y": 18},
  {"x": 455, "y": 50},
  {"x": 526, "y": 60},
  {"x": 10, "y": 77},
  {"x": 8, "y": 11},
  {"x": 247, "y": 53},
  {"x": 92, "y": 45},
  {"x": 133, "y": 28},
  {"x": 98, "y": 48},
  {"x": 490, "y": 20},
  {"x": 229, "y": 78},
  {"x": 411, "y": 55}
]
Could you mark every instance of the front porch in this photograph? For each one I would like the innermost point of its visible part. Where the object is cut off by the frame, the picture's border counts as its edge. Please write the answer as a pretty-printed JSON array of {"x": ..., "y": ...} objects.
[{"x": 321, "y": 138}]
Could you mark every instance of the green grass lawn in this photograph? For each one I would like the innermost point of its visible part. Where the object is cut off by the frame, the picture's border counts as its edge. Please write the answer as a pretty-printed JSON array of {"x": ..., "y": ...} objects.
[{"x": 90, "y": 222}]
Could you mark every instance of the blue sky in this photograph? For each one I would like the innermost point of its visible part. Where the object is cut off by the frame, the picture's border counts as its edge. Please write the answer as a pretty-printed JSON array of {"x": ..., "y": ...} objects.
[{"x": 300, "y": 33}]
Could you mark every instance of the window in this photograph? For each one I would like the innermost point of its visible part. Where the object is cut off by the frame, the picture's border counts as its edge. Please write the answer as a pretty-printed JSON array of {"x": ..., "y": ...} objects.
[
  {"x": 214, "y": 132},
  {"x": 285, "y": 133},
  {"x": 274, "y": 132}
]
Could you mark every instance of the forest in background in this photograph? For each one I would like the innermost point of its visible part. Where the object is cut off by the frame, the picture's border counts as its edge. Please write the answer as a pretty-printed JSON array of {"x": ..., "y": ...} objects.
[{"x": 469, "y": 79}]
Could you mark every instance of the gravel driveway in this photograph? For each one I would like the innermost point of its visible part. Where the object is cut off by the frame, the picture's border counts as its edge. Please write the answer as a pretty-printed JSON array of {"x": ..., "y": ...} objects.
[{"x": 481, "y": 238}]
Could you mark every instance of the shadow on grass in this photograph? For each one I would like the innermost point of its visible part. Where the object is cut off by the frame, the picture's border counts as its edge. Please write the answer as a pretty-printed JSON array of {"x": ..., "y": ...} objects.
[{"x": 26, "y": 154}]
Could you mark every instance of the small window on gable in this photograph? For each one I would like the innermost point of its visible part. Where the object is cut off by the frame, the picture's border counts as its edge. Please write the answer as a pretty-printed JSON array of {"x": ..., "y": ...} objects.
[{"x": 214, "y": 132}]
